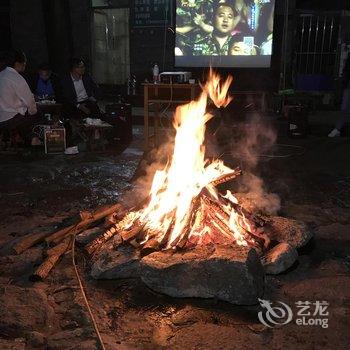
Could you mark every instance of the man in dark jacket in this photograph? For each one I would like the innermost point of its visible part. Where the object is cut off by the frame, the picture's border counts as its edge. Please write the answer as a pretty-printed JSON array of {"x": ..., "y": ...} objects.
[{"x": 79, "y": 91}]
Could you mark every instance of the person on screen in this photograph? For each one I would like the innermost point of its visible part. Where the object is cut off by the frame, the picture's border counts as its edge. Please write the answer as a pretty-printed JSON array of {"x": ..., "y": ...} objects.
[
  {"x": 265, "y": 29},
  {"x": 240, "y": 7},
  {"x": 193, "y": 14},
  {"x": 223, "y": 36},
  {"x": 241, "y": 49}
]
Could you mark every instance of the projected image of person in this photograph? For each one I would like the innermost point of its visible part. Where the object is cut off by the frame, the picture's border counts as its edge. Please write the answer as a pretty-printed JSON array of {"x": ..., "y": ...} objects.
[
  {"x": 192, "y": 17},
  {"x": 265, "y": 30},
  {"x": 241, "y": 49},
  {"x": 192, "y": 14},
  {"x": 222, "y": 37},
  {"x": 212, "y": 31}
]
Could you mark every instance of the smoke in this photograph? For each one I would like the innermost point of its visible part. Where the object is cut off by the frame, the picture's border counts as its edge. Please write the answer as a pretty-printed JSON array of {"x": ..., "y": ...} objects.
[
  {"x": 255, "y": 139},
  {"x": 249, "y": 143}
]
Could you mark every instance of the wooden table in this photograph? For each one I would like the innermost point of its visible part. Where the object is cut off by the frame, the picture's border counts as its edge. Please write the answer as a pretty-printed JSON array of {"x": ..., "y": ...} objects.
[{"x": 156, "y": 94}]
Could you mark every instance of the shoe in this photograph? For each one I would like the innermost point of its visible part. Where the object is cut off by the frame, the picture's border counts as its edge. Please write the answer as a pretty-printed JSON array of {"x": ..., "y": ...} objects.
[{"x": 334, "y": 133}]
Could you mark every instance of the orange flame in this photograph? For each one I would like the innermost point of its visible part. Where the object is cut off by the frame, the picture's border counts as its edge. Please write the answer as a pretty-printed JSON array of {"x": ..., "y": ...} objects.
[
  {"x": 217, "y": 91},
  {"x": 176, "y": 186}
]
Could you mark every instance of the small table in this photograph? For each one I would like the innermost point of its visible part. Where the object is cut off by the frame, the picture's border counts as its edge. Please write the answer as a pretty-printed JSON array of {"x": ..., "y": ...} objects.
[{"x": 164, "y": 93}]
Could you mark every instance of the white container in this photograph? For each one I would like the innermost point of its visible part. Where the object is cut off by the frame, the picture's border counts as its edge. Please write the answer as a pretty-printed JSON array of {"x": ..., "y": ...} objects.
[{"x": 155, "y": 74}]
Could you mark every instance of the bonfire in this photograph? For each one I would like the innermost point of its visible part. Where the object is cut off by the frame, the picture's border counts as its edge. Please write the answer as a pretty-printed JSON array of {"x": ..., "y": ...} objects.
[
  {"x": 184, "y": 212},
  {"x": 184, "y": 207}
]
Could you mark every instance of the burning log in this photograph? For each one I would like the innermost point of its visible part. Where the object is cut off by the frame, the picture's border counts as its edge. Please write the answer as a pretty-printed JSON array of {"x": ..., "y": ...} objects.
[
  {"x": 132, "y": 232},
  {"x": 127, "y": 235},
  {"x": 150, "y": 246},
  {"x": 53, "y": 255},
  {"x": 99, "y": 241},
  {"x": 221, "y": 226},
  {"x": 155, "y": 238},
  {"x": 191, "y": 217},
  {"x": 227, "y": 177},
  {"x": 259, "y": 221}
]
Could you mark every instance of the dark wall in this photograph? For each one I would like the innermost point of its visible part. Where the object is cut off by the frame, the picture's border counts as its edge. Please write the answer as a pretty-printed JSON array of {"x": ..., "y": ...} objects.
[
  {"x": 5, "y": 26},
  {"x": 50, "y": 31},
  {"x": 56, "y": 30},
  {"x": 28, "y": 30},
  {"x": 323, "y": 5}
]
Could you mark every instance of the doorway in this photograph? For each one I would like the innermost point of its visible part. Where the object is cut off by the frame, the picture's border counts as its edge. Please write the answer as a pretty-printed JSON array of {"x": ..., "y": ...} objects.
[{"x": 111, "y": 56}]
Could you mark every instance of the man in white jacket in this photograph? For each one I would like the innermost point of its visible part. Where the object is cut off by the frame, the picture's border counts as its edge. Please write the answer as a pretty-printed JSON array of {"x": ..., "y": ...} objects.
[{"x": 17, "y": 105}]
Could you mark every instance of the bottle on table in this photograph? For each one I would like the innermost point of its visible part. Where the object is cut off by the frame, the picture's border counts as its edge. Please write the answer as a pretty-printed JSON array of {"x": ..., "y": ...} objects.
[{"x": 155, "y": 74}]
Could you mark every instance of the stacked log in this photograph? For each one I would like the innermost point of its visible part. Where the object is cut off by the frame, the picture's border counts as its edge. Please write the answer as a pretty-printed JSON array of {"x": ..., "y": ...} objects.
[
  {"x": 60, "y": 242},
  {"x": 209, "y": 213}
]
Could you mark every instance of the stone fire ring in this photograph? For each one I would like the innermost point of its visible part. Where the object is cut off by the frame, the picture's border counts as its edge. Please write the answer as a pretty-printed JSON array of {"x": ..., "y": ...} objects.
[
  {"x": 229, "y": 273},
  {"x": 226, "y": 272}
]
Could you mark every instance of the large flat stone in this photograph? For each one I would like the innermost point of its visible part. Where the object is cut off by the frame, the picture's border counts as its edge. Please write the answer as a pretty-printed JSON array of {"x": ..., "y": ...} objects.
[
  {"x": 293, "y": 232},
  {"x": 229, "y": 273},
  {"x": 124, "y": 262},
  {"x": 279, "y": 258}
]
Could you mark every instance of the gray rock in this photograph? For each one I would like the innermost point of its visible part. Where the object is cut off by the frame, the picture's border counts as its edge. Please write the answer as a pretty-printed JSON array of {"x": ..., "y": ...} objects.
[
  {"x": 294, "y": 232},
  {"x": 279, "y": 258},
  {"x": 230, "y": 273},
  {"x": 124, "y": 262}
]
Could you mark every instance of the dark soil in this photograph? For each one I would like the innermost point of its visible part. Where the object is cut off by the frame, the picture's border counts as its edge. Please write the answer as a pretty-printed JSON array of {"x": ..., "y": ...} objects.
[{"x": 38, "y": 191}]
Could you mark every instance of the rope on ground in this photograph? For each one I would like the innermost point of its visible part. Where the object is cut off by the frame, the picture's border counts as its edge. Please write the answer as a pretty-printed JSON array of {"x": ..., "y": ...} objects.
[{"x": 84, "y": 295}]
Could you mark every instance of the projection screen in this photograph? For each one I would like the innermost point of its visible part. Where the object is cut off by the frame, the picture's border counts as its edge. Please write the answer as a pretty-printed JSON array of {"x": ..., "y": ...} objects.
[{"x": 231, "y": 33}]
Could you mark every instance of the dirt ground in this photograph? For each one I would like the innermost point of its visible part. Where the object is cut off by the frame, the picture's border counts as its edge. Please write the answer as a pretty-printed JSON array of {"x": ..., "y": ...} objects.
[{"x": 313, "y": 183}]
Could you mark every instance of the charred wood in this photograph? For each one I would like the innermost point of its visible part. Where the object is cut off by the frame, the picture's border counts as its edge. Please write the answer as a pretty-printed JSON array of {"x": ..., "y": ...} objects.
[{"x": 227, "y": 177}]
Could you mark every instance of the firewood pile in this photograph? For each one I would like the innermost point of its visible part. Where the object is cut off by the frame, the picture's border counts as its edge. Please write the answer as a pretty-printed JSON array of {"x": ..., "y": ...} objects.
[
  {"x": 209, "y": 214},
  {"x": 60, "y": 242},
  {"x": 207, "y": 210}
]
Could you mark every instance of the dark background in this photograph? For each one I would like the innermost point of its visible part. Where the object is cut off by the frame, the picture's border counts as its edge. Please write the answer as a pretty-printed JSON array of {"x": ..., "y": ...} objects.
[{"x": 56, "y": 30}]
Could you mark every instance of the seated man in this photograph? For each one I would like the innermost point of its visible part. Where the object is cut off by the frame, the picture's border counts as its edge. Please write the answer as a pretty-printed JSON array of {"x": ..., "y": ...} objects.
[
  {"x": 79, "y": 92},
  {"x": 18, "y": 112},
  {"x": 45, "y": 83}
]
